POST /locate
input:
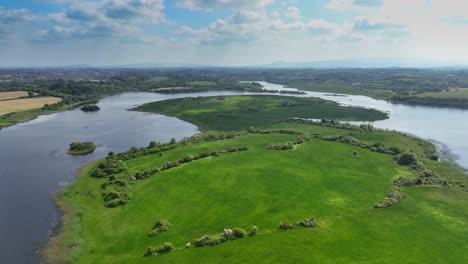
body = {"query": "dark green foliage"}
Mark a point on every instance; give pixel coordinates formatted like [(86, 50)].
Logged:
[(81, 148), (90, 108), (163, 249), (228, 235), (116, 192), (392, 198), (110, 166), (254, 110), (286, 226), (153, 144), (284, 146), (407, 159), (146, 173), (238, 232), (160, 227), (434, 157), (403, 181), (253, 231), (306, 223)]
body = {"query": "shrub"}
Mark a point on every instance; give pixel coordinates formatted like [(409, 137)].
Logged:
[(307, 223), (286, 226), (163, 249), (407, 159), (160, 227), (238, 232), (355, 153), (402, 181), (392, 198), (253, 231), (434, 157)]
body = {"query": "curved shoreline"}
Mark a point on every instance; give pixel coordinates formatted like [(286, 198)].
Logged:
[(51, 253)]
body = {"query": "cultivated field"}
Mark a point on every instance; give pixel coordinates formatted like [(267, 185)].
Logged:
[(12, 95), (17, 105)]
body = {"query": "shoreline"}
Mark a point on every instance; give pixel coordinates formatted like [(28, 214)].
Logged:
[(51, 251)]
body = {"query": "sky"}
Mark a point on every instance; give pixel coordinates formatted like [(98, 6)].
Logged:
[(228, 32)]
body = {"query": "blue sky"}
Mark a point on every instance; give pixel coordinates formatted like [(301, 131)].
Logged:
[(228, 32)]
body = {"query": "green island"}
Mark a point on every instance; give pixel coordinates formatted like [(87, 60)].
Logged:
[(90, 108), (260, 185), (439, 88), (81, 148)]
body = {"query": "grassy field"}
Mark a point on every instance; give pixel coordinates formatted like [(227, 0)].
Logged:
[(242, 112), (12, 95), (336, 182), (19, 105), (202, 83), (448, 94)]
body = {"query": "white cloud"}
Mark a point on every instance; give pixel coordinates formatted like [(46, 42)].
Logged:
[(354, 5), (104, 19), (293, 13), (259, 25), (221, 4)]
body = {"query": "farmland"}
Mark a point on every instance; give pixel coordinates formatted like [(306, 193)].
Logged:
[(18, 105)]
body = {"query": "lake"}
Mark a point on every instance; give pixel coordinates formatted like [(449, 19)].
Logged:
[(34, 163)]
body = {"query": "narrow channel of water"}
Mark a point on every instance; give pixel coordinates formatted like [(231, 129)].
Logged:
[(34, 163)]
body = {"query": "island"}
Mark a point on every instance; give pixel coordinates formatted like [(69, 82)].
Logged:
[(90, 108), (81, 148)]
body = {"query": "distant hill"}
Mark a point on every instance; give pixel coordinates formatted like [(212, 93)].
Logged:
[(364, 63)]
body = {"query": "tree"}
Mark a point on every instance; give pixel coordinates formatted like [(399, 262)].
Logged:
[(153, 144), (173, 141), (407, 159), (30, 94)]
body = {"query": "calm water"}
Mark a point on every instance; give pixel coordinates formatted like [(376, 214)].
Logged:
[(34, 163)]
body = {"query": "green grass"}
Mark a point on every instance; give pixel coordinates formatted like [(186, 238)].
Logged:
[(202, 83), (451, 94), (242, 112), (24, 116), (263, 187)]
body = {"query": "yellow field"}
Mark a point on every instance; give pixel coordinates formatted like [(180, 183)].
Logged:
[(25, 104), (12, 95)]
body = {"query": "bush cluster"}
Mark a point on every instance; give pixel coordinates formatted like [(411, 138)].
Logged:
[(283, 146), (407, 159), (116, 192), (228, 235), (163, 249), (306, 223), (110, 166), (160, 227), (392, 198)]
